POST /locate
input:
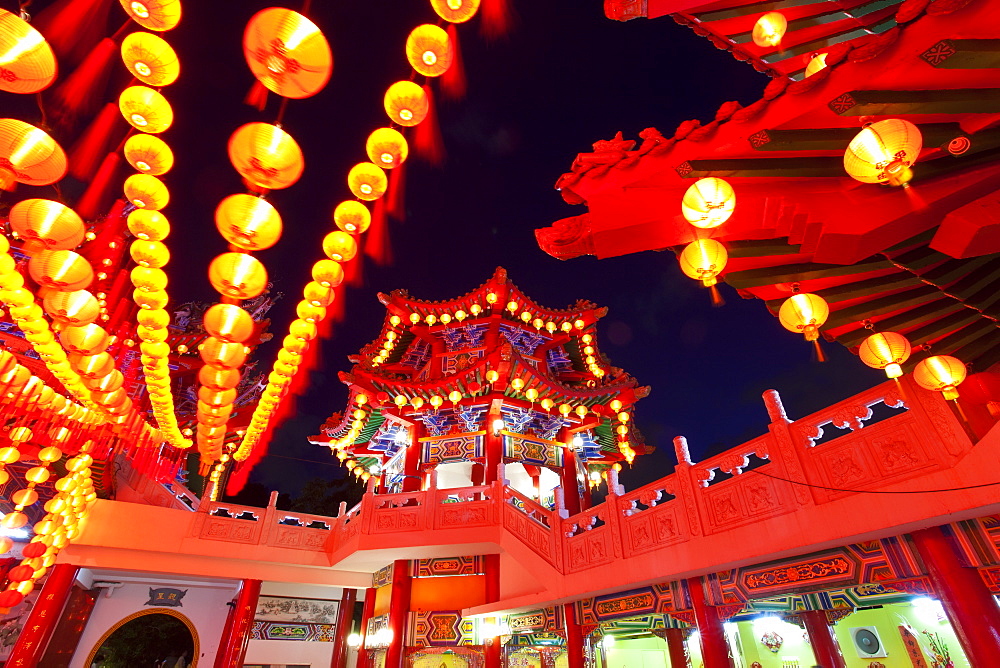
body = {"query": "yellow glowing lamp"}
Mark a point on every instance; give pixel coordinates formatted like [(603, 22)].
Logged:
[(769, 29), (28, 155), (816, 64), (704, 260), (429, 50), (61, 270), (148, 154), (883, 152), (318, 295), (149, 253), (885, 350), (148, 225), (217, 352), (266, 156), (340, 246), (406, 103), (455, 11), (248, 222), (146, 192), (85, 339), (708, 203), (228, 322), (387, 148), (150, 59), (26, 59), (145, 109), (237, 275), (328, 273), (158, 15), (367, 181), (804, 313), (287, 52), (941, 373), (352, 216), (42, 223)]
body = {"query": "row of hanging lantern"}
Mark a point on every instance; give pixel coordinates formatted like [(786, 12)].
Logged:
[(430, 52), (288, 55), (707, 203), (152, 61)]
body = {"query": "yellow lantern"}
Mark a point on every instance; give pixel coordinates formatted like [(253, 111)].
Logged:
[(150, 59), (287, 52), (708, 203), (61, 270), (26, 59), (86, 339), (150, 299), (805, 312), (455, 11), (306, 311), (158, 15), (340, 246), (228, 322), (885, 350), (429, 50), (148, 279), (266, 156), (352, 217), (237, 275), (149, 253), (42, 223), (387, 148), (318, 295), (248, 222), (148, 225), (883, 152), (406, 103), (145, 109), (704, 260), (222, 354), (146, 192), (367, 181), (940, 373), (28, 155), (816, 63), (92, 366), (328, 273), (769, 29), (148, 154), (302, 330), (218, 378)]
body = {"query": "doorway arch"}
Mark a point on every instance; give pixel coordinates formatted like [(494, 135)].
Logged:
[(135, 620)]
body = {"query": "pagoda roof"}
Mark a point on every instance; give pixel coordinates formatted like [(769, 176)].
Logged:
[(920, 260)]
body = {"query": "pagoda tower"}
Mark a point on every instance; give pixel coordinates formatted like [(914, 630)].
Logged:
[(457, 393)]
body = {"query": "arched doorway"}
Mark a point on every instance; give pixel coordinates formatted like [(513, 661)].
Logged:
[(154, 638)]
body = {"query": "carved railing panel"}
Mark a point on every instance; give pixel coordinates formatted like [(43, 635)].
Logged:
[(531, 524), (591, 538)]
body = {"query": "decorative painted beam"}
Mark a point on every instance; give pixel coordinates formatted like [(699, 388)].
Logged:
[(837, 139), (763, 167), (964, 54), (905, 321), (881, 305), (799, 273), (904, 102), (839, 14), (829, 40)]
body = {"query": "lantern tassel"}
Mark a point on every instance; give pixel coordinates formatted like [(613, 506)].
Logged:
[(820, 357), (497, 18), (354, 271), (256, 96), (427, 139), (376, 242), (902, 390), (335, 312), (83, 90), (717, 299), (86, 153), (395, 204), (453, 81), (961, 413), (93, 200), (73, 27)]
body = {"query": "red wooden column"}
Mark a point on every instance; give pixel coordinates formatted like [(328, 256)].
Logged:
[(368, 613), (494, 444), (567, 476), (399, 610), (44, 616), (676, 648), (574, 637), (969, 604), (411, 462), (345, 615), (494, 648), (825, 648), (711, 633), (237, 636)]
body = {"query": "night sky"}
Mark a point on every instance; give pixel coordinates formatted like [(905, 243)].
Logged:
[(565, 77)]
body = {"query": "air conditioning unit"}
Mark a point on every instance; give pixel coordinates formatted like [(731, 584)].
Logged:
[(867, 642)]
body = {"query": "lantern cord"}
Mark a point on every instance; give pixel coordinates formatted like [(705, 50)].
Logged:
[(961, 413), (281, 111), (902, 390), (717, 299), (820, 357), (875, 491)]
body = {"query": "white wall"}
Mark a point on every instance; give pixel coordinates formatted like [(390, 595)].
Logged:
[(204, 605), (281, 652)]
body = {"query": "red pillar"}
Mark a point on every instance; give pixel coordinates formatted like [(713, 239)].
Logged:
[(237, 637), (368, 613), (493, 650), (569, 483), (494, 444), (399, 609), (712, 634), (574, 637), (411, 463), (825, 648), (44, 616), (345, 616), (676, 648), (969, 604)]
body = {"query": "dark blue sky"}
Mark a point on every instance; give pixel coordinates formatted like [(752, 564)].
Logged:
[(564, 78)]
